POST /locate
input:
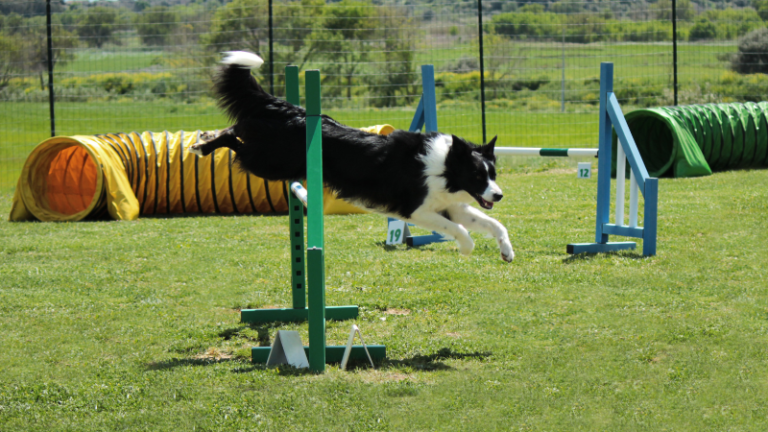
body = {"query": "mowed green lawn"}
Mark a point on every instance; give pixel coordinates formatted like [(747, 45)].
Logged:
[(134, 325)]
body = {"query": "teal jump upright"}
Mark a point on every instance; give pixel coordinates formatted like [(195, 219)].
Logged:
[(312, 308), (612, 118)]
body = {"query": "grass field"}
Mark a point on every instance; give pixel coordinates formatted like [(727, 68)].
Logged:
[(134, 325)]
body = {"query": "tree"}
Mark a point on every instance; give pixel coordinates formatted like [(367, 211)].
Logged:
[(97, 26), (29, 8), (345, 40), (13, 23), (753, 53), (238, 25), (761, 6), (25, 50), (527, 24), (37, 46), (685, 10), (393, 83), (703, 29), (155, 24), (11, 58), (243, 24), (566, 7)]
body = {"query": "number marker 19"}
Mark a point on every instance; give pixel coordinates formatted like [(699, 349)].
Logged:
[(395, 232)]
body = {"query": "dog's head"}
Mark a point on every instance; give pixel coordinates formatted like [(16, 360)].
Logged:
[(472, 169)]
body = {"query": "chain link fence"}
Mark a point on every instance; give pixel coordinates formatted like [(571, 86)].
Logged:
[(526, 71)]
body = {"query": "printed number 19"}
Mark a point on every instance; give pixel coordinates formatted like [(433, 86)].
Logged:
[(394, 236)]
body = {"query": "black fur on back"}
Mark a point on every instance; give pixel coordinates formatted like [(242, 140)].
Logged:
[(384, 172)]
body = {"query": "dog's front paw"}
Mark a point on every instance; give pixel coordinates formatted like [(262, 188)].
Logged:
[(466, 246), (196, 149), (507, 254)]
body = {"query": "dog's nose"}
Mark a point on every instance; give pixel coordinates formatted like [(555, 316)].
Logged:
[(497, 197)]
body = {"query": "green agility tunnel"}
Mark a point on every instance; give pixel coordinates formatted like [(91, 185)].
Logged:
[(695, 140)]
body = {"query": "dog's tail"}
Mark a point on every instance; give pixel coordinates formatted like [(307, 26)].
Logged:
[(235, 85)]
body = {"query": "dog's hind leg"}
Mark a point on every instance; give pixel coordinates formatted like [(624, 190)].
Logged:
[(213, 141), (437, 222), (475, 220)]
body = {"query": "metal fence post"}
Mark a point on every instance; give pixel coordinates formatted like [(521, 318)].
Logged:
[(271, 53), (482, 64), (674, 48), (51, 98)]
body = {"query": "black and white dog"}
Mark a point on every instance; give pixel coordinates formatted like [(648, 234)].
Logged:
[(428, 180)]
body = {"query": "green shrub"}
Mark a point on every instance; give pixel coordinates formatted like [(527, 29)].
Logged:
[(753, 53), (703, 29), (155, 24), (733, 23), (742, 88), (644, 92), (522, 25)]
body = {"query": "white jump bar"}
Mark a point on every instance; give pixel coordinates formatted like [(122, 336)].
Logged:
[(300, 193)]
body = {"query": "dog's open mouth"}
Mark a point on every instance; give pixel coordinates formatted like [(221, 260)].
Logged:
[(483, 203)]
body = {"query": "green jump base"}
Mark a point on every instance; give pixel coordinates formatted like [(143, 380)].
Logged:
[(577, 248), (333, 354), (335, 313)]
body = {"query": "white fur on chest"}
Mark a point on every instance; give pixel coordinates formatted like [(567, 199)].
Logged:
[(438, 198)]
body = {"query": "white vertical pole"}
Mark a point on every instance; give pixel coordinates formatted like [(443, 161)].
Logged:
[(632, 200), (621, 163)]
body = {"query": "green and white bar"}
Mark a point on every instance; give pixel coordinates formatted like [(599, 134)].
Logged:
[(548, 152)]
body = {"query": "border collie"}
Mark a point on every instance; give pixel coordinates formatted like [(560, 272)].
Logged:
[(426, 179)]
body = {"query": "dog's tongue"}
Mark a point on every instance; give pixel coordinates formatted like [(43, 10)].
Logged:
[(488, 205)]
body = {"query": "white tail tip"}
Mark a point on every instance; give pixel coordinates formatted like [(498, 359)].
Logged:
[(243, 59)]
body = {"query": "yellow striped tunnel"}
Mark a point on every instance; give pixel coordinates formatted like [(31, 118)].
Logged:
[(126, 175)]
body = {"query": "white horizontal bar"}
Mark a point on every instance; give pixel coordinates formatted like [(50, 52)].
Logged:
[(582, 152), (299, 191)]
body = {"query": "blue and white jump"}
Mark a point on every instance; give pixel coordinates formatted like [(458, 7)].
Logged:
[(611, 118)]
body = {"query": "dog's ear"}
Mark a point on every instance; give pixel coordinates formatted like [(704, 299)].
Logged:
[(460, 146), (487, 150)]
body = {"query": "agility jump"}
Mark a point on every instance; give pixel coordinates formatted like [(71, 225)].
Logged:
[(611, 118), (316, 313)]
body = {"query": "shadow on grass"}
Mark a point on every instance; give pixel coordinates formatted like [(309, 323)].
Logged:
[(394, 248), (262, 339), (262, 332), (205, 215), (428, 362), (177, 362), (586, 256)]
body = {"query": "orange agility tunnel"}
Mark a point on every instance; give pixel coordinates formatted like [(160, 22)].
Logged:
[(126, 175)]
